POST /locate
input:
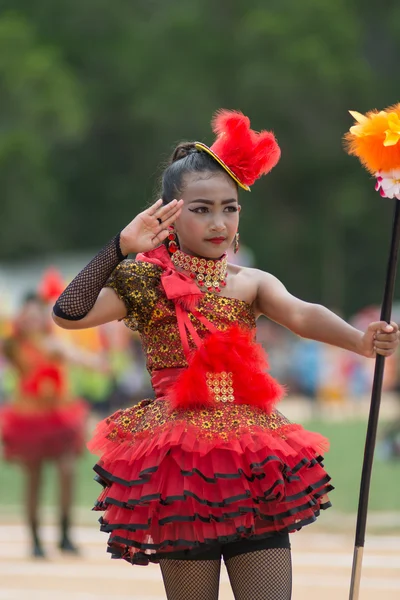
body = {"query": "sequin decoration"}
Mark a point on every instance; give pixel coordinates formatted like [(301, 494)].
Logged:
[(221, 386)]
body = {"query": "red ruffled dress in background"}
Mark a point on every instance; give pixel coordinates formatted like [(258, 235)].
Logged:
[(209, 460), (41, 422)]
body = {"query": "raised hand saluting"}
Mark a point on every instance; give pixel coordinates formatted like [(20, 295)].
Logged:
[(150, 227)]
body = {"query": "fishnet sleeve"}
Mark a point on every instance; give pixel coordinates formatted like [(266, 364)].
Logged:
[(81, 294)]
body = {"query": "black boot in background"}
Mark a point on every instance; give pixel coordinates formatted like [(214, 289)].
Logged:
[(65, 544), (37, 548)]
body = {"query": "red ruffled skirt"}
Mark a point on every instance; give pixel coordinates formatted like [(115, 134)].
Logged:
[(33, 435), (176, 481), (179, 477)]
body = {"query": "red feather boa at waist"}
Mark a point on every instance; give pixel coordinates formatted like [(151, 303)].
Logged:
[(233, 351)]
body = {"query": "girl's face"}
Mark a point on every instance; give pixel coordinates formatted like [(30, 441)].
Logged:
[(210, 215), (32, 318)]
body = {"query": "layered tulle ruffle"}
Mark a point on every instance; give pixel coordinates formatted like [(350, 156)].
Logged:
[(176, 481), (31, 435)]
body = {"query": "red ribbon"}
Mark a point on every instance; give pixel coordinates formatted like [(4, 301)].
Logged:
[(182, 291)]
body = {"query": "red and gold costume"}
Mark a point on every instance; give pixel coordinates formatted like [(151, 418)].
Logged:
[(210, 459), (42, 422)]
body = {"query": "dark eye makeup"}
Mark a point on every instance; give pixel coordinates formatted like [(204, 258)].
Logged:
[(204, 209)]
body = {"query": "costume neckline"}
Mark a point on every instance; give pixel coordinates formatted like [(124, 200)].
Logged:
[(230, 298), (161, 252)]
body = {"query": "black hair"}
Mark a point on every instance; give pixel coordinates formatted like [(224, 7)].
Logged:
[(185, 159)]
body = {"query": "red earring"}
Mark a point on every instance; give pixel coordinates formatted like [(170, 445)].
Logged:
[(172, 244), (236, 243)]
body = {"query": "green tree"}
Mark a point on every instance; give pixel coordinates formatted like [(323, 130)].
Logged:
[(41, 110), (144, 74)]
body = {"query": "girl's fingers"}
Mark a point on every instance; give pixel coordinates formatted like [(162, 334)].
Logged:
[(153, 209), (386, 337), (164, 228), (162, 208), (160, 236), (384, 352), (379, 344), (167, 220), (171, 219), (164, 212), (165, 216)]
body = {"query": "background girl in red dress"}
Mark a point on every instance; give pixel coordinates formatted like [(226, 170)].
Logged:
[(42, 422)]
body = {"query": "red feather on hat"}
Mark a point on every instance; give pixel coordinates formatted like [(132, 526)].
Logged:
[(248, 153)]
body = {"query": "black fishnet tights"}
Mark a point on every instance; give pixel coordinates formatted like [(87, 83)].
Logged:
[(191, 579), (80, 296), (259, 575)]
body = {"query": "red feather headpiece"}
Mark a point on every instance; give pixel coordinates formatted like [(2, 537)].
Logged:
[(51, 285), (245, 154)]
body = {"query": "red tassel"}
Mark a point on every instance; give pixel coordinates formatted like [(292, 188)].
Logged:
[(190, 302)]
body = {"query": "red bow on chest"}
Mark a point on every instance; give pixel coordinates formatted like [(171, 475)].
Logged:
[(182, 291)]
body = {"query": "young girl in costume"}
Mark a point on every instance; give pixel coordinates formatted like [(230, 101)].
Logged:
[(209, 468), (42, 422)]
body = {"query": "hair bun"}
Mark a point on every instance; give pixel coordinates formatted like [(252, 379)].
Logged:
[(182, 150)]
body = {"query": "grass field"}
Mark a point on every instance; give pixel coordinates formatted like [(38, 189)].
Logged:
[(343, 462)]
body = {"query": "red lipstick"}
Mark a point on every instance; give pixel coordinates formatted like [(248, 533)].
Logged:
[(216, 240)]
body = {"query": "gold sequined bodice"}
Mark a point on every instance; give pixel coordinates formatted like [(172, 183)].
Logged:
[(153, 315)]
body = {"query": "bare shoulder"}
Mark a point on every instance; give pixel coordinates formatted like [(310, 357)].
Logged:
[(243, 283), (265, 279), (252, 276), (260, 286)]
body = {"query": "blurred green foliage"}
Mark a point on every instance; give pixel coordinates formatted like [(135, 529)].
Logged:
[(95, 94)]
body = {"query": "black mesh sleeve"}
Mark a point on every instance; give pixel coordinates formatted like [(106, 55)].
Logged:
[(81, 294)]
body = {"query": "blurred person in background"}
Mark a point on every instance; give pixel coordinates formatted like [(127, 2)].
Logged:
[(41, 422), (305, 369), (129, 379), (209, 468)]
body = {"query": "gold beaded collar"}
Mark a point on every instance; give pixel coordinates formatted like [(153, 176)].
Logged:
[(209, 274)]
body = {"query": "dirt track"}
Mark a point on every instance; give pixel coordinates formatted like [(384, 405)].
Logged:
[(322, 566)]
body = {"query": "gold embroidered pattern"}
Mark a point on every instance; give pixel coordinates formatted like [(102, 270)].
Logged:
[(221, 386), (135, 283), (224, 422), (153, 315)]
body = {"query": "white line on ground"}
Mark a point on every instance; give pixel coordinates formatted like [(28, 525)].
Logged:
[(302, 559), (323, 541), (327, 559), (299, 581), (320, 581), (17, 594), (151, 574)]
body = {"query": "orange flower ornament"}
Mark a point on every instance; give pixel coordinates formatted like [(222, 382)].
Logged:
[(375, 140)]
